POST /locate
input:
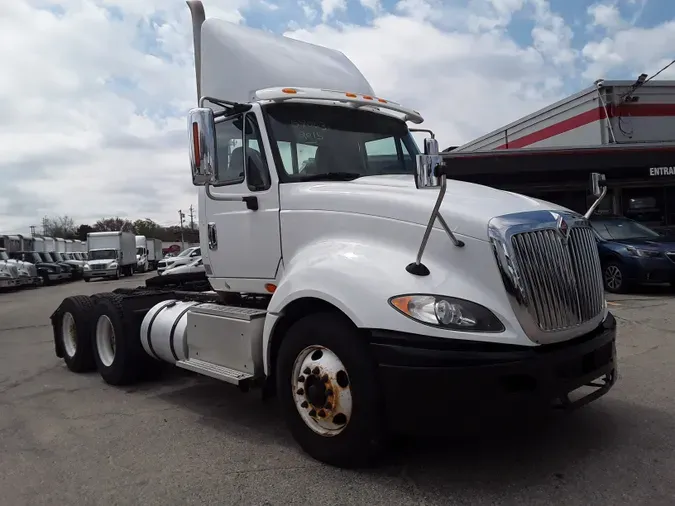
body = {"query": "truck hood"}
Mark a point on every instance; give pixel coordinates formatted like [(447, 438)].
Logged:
[(467, 207)]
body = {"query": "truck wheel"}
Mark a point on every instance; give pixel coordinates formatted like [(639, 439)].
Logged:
[(87, 280), (117, 344), (73, 333), (328, 390)]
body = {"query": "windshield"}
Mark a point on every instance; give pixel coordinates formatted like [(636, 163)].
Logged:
[(57, 256), (35, 257), (616, 230), (103, 254), (46, 257), (185, 252), (314, 140), (140, 251)]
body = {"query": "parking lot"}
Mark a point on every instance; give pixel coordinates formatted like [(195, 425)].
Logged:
[(71, 439)]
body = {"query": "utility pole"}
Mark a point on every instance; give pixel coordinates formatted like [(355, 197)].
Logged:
[(32, 230), (181, 214), (192, 221), (44, 226)]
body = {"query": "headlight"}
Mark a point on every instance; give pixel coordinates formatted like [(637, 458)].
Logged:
[(112, 265), (87, 267), (447, 312), (636, 252)]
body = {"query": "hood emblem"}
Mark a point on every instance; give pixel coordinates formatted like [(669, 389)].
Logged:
[(563, 229)]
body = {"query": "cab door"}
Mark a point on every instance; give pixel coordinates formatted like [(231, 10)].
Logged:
[(243, 237)]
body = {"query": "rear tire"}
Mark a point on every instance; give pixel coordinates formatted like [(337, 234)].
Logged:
[(73, 333), (338, 420), (119, 355)]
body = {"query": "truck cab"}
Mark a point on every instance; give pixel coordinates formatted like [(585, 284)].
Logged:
[(346, 273)]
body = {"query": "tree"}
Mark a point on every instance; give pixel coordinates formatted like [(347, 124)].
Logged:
[(82, 232), (147, 227), (113, 225), (60, 226)]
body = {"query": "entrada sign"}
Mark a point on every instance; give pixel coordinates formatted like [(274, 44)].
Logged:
[(662, 171)]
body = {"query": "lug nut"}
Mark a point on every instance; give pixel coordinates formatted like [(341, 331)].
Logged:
[(312, 413), (322, 414), (300, 391), (316, 371), (304, 404), (301, 379), (307, 370)]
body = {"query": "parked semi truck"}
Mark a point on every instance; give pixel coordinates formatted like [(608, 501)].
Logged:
[(369, 293), (110, 255)]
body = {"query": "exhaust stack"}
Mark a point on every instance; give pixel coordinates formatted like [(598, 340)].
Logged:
[(198, 17)]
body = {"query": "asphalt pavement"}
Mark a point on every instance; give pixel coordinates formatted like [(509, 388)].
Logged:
[(68, 439)]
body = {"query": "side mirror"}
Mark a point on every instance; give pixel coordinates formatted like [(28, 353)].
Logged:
[(203, 154), (430, 146), (598, 182), (424, 173), (599, 190)]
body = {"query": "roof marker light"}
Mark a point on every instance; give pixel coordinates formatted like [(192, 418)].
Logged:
[(291, 91)]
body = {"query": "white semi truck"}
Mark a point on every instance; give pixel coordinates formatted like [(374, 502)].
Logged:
[(110, 254), (344, 272)]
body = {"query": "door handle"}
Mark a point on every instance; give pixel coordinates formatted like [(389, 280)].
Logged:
[(212, 236)]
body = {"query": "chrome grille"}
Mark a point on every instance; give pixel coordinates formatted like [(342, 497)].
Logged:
[(562, 283), (550, 267)]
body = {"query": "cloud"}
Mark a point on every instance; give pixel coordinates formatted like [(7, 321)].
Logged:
[(93, 93)]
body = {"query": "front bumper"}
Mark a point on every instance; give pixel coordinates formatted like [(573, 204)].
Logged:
[(99, 273), (426, 380), (650, 269), (9, 282)]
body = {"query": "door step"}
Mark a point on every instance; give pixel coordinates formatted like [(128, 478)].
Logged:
[(215, 371)]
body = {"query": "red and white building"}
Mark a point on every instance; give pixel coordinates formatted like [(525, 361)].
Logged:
[(609, 112)]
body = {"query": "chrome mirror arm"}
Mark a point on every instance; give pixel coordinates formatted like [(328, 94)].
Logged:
[(417, 267)]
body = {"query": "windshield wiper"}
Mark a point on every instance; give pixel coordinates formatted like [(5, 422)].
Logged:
[(329, 176)]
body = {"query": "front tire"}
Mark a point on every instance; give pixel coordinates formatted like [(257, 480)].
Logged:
[(614, 278), (329, 393)]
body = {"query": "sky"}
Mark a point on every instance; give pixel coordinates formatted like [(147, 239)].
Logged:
[(94, 93)]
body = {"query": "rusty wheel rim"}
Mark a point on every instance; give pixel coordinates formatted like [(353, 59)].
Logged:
[(322, 390)]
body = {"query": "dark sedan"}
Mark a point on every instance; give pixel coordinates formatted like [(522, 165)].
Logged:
[(633, 254)]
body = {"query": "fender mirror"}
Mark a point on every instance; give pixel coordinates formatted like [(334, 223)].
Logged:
[(203, 153)]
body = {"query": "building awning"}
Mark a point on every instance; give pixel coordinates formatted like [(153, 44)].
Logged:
[(532, 166)]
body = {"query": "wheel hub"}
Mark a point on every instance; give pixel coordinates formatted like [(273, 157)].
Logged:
[(322, 391)]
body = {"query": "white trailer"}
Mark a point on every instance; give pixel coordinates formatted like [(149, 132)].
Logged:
[(141, 253), (609, 112), (154, 253), (344, 282), (110, 254), (69, 246), (60, 244)]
